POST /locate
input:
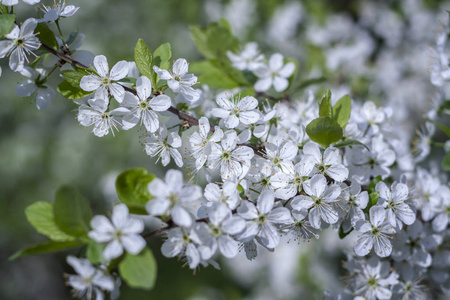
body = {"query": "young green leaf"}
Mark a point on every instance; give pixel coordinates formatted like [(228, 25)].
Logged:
[(325, 108), (71, 92), (349, 143), (143, 59), (324, 130), (72, 212), (41, 215), (131, 187), (342, 110), (161, 56), (46, 36), (213, 76), (373, 183), (94, 252), (46, 247), (6, 24), (343, 234), (139, 271), (444, 128), (74, 77), (446, 162), (201, 42)]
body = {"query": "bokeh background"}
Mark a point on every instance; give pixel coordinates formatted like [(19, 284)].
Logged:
[(373, 50)]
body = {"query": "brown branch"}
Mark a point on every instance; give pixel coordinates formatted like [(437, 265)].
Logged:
[(192, 121)]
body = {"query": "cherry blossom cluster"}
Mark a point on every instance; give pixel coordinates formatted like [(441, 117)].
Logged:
[(267, 180)]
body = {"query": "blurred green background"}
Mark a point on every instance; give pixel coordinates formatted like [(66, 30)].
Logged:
[(41, 150)]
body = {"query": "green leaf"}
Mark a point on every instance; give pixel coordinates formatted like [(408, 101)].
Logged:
[(72, 212), (143, 59), (46, 36), (373, 183), (6, 24), (444, 128), (71, 92), (41, 215), (4, 9), (132, 190), (342, 110), (74, 77), (349, 143), (213, 76), (324, 130), (94, 252), (139, 271), (325, 108), (50, 246), (343, 234), (446, 162), (201, 41), (217, 38), (161, 56)]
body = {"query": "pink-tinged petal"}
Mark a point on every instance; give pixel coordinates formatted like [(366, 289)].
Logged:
[(119, 71), (180, 216), (90, 82), (113, 250), (143, 87), (280, 83), (133, 243), (363, 245), (101, 65), (180, 67)]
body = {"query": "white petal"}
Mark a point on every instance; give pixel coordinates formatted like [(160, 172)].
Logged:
[(113, 250), (180, 216), (143, 87), (133, 243), (101, 65), (228, 247), (119, 71)]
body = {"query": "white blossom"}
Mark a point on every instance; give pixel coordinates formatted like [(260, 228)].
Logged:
[(275, 74)]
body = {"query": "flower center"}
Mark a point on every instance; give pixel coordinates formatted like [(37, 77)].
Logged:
[(372, 282), (375, 231), (226, 156), (262, 219)]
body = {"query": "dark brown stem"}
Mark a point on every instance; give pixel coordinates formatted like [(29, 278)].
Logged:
[(156, 232)]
